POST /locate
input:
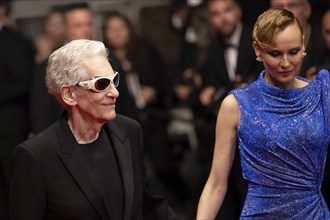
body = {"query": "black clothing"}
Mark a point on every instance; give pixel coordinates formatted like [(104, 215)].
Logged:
[(215, 68), (315, 49), (16, 68), (44, 109), (105, 174), (50, 178)]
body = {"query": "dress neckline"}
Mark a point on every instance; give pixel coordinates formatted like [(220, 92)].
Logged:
[(280, 92)]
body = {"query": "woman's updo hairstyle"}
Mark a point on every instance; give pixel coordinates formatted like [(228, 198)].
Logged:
[(270, 23)]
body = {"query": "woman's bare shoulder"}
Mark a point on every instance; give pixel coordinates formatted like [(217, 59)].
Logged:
[(229, 111), (230, 103)]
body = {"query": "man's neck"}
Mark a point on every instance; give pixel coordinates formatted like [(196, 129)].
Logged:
[(1, 22), (234, 38), (85, 131)]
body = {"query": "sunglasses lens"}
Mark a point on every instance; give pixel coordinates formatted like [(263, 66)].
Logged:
[(116, 80), (102, 84)]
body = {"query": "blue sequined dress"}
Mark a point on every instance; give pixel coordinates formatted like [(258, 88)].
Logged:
[(283, 138)]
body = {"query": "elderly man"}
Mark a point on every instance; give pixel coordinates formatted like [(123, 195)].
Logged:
[(88, 164), (44, 109)]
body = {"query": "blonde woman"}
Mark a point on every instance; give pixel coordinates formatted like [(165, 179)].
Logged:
[(281, 125)]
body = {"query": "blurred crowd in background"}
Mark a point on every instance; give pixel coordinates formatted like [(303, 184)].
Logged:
[(175, 97)]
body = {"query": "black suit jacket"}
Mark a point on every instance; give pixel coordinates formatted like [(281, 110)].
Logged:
[(315, 49), (16, 67), (50, 178), (44, 109), (216, 73)]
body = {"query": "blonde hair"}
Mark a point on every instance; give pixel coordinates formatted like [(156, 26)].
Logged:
[(270, 23)]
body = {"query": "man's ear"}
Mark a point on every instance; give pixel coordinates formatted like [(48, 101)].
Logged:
[(67, 95)]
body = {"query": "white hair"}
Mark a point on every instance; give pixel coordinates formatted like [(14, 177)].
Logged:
[(65, 65)]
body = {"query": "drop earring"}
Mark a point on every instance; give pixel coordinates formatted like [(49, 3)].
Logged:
[(259, 59)]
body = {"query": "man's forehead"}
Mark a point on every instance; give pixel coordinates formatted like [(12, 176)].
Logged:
[(76, 12), (285, 2)]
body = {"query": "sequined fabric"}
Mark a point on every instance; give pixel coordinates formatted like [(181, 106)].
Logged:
[(283, 139)]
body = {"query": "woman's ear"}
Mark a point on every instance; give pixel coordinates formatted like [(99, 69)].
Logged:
[(256, 48), (67, 95)]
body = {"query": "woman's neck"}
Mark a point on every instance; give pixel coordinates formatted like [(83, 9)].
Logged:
[(295, 84)]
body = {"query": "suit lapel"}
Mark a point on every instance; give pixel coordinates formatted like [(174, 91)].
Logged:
[(245, 51), (222, 61), (73, 160), (241, 51), (123, 151)]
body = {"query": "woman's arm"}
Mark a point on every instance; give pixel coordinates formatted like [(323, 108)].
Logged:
[(224, 151)]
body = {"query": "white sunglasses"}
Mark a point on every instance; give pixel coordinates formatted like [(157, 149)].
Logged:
[(101, 83)]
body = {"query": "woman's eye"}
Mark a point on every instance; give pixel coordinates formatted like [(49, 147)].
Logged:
[(294, 52), (274, 53)]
